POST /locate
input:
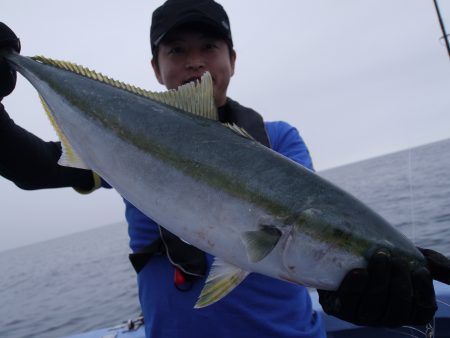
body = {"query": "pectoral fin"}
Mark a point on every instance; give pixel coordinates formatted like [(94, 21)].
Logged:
[(222, 279), (261, 242)]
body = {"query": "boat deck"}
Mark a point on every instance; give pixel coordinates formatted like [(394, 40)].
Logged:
[(335, 328)]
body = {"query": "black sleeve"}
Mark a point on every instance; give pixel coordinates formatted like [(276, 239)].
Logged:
[(31, 163)]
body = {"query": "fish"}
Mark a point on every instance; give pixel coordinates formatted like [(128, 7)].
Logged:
[(211, 184)]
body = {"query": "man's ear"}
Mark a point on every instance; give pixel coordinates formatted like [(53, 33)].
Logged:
[(156, 70), (232, 60)]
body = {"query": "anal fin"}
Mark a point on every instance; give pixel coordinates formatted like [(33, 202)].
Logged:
[(222, 279)]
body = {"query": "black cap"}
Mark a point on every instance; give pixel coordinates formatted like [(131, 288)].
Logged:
[(174, 13)]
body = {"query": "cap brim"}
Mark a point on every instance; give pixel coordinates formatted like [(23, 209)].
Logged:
[(193, 18)]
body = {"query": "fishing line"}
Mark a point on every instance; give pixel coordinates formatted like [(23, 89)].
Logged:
[(410, 334), (440, 301), (428, 333), (411, 198), (430, 327)]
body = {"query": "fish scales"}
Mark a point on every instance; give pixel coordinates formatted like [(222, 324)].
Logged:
[(222, 192)]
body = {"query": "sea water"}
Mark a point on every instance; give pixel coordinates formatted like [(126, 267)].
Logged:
[(84, 281)]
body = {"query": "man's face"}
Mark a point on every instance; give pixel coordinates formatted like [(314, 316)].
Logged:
[(185, 55)]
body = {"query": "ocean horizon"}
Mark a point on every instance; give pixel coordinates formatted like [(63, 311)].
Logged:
[(84, 281)]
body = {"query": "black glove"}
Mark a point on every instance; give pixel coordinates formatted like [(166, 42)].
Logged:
[(8, 40), (387, 294), (438, 264)]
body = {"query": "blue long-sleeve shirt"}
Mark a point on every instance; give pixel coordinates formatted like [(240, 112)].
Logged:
[(259, 307)]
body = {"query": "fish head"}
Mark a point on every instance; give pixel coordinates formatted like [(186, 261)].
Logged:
[(323, 245), (318, 250)]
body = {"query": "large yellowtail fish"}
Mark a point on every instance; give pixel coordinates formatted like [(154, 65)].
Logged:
[(209, 183)]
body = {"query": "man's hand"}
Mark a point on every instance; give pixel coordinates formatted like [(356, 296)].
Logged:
[(387, 294), (438, 264), (8, 40)]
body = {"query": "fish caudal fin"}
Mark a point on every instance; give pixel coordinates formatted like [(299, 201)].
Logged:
[(69, 157), (222, 279), (261, 242), (195, 97)]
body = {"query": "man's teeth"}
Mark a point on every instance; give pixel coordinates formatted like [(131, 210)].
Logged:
[(192, 79)]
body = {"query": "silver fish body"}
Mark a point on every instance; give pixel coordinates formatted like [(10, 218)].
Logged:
[(226, 194)]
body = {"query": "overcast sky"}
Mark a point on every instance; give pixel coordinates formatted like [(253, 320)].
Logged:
[(358, 78)]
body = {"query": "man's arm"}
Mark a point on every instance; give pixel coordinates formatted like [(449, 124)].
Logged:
[(25, 159), (32, 163), (286, 140)]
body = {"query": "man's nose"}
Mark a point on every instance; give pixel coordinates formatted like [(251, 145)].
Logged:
[(195, 61)]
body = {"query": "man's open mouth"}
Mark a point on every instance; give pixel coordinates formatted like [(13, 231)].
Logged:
[(191, 79)]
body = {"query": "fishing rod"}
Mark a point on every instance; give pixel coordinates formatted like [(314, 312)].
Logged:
[(441, 22)]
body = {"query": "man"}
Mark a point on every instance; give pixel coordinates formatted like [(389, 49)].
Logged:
[(188, 38)]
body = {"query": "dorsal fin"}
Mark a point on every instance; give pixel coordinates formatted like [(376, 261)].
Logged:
[(238, 130), (194, 97)]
